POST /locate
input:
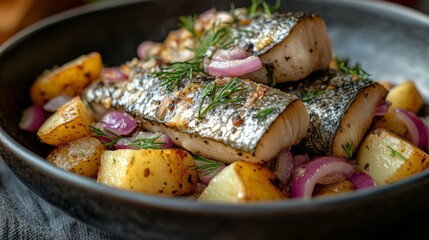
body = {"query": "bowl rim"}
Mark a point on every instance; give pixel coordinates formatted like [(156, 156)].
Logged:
[(182, 204)]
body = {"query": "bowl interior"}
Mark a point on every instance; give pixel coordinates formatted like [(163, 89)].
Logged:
[(389, 41)]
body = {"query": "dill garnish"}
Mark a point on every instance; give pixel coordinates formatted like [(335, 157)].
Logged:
[(310, 95), (263, 113), (268, 10), (206, 165), (218, 96), (395, 153), (348, 148), (112, 139), (356, 70), (217, 37), (147, 143)]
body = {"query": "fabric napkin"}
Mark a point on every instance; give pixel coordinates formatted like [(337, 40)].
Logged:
[(25, 216)]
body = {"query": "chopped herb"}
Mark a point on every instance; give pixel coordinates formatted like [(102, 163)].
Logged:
[(348, 148), (270, 75), (356, 70), (216, 37), (395, 153), (263, 113), (253, 10), (208, 166), (310, 95), (112, 139), (147, 143), (218, 96)]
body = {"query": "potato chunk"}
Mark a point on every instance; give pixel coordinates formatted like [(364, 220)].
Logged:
[(405, 96), (166, 172), (81, 156), (388, 158), (69, 79), (242, 182), (70, 122)]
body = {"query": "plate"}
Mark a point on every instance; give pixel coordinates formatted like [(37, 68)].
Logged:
[(390, 42)]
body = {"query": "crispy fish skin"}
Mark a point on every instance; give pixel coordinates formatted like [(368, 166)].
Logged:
[(341, 109), (229, 132)]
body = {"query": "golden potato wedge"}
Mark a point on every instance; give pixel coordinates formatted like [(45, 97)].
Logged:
[(166, 172), (81, 156), (69, 79), (242, 182), (388, 158), (70, 122), (405, 96), (392, 123)]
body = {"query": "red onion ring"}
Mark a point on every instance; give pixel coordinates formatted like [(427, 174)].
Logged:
[(234, 68), (362, 180), (319, 169), (113, 75), (32, 118), (56, 102), (223, 55), (284, 166), (417, 131), (119, 123), (144, 49), (382, 108)]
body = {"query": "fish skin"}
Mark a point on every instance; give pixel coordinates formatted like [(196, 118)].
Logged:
[(233, 125), (340, 102)]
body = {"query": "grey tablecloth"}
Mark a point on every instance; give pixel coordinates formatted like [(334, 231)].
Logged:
[(23, 215)]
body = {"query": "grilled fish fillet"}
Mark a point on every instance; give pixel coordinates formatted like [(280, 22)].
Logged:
[(229, 132), (290, 45), (341, 109)]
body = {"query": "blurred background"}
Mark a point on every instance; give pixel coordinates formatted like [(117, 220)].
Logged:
[(18, 14)]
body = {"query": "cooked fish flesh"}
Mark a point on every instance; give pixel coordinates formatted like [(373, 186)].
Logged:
[(254, 125), (290, 45), (341, 109)]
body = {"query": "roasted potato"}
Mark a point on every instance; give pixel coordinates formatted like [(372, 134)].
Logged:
[(166, 172), (242, 182), (81, 156), (334, 188), (387, 157), (392, 123), (69, 79), (405, 96), (70, 122)]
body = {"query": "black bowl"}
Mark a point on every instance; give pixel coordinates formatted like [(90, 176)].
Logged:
[(390, 42)]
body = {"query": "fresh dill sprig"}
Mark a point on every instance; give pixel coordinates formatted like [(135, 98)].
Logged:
[(147, 143), (348, 148), (216, 37), (356, 70), (218, 96), (253, 10), (207, 166), (263, 113), (188, 23), (310, 95), (111, 139), (395, 153)]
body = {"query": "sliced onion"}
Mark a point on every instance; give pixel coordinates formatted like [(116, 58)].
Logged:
[(319, 169), (204, 176), (284, 166), (234, 68), (56, 102), (113, 75), (417, 131), (300, 159), (362, 180), (223, 55), (144, 49), (382, 109), (119, 123), (32, 118)]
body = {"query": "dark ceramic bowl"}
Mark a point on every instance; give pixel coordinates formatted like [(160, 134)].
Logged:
[(390, 42)]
